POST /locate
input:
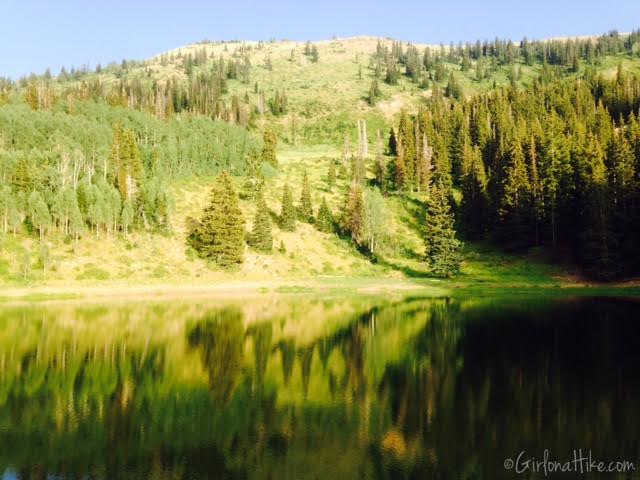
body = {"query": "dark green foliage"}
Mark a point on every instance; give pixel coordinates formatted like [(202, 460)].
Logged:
[(441, 245), (474, 206), (305, 209), (524, 162), (288, 211), (260, 237), (219, 234), (325, 221)]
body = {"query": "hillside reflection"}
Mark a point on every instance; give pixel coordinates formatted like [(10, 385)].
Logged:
[(310, 389)]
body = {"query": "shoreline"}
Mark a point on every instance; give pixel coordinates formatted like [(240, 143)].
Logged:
[(226, 289), (329, 286)]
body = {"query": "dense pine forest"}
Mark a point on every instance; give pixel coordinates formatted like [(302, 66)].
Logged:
[(556, 164), (421, 152)]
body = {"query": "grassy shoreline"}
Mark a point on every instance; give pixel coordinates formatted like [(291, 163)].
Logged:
[(325, 286)]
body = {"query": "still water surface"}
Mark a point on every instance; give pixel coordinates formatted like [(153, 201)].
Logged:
[(306, 389)]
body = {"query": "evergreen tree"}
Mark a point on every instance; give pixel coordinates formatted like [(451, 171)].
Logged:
[(515, 202), (453, 89), (305, 209), (219, 235), (325, 221), (441, 245), (288, 211), (260, 237), (600, 248), (474, 194)]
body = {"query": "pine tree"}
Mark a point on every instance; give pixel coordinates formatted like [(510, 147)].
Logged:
[(400, 177), (441, 245), (288, 211), (453, 89), (325, 221), (600, 249), (219, 235), (515, 202), (474, 195), (270, 145), (260, 237), (407, 151), (305, 209), (380, 172), (424, 168), (352, 221)]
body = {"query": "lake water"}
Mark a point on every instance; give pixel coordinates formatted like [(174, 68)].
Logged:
[(283, 388)]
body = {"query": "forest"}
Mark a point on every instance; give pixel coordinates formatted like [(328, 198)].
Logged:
[(542, 152)]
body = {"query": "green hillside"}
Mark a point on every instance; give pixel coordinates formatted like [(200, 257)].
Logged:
[(187, 114)]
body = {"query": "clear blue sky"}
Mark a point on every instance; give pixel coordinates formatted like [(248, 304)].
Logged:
[(36, 34)]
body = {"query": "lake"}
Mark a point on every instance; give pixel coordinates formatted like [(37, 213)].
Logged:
[(292, 387)]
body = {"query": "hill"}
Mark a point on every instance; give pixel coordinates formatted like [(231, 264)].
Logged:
[(201, 108)]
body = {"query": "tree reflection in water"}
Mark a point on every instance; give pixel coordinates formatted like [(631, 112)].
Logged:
[(415, 389)]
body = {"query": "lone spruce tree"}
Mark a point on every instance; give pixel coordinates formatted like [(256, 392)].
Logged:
[(442, 247), (219, 235), (260, 237), (288, 212), (305, 210), (325, 221)]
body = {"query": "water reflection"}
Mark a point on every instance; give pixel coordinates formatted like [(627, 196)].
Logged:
[(310, 389)]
